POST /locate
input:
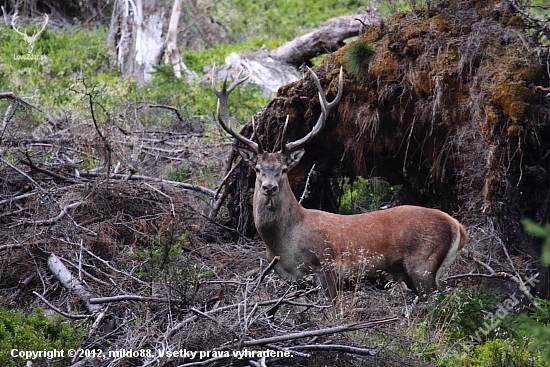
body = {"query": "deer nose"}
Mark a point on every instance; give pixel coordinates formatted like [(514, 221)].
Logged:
[(269, 189)]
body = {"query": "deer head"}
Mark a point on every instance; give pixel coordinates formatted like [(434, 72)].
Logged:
[(272, 167)]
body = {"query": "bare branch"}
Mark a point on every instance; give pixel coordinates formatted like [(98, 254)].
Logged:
[(337, 348), (267, 270), (9, 247), (65, 277), (125, 297), (183, 185), (327, 331), (67, 315)]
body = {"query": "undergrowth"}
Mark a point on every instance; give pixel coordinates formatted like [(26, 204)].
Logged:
[(33, 331), (361, 195), (476, 327)]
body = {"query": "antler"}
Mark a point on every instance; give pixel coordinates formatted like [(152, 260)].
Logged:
[(320, 124), (223, 117)]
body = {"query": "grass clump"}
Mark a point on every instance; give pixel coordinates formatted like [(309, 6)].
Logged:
[(357, 57)]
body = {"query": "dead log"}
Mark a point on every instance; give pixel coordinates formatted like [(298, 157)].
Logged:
[(271, 69)]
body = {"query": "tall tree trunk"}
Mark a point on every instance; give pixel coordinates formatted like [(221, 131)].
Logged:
[(172, 55)]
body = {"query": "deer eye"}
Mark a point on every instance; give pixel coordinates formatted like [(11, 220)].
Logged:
[(257, 169), (284, 169)]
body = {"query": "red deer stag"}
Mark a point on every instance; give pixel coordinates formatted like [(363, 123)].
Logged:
[(405, 243)]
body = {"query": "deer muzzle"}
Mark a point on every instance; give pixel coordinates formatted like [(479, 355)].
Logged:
[(270, 189)]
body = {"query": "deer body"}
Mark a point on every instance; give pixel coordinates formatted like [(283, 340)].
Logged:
[(405, 243)]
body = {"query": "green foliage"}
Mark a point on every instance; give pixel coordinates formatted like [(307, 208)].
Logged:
[(361, 195), (62, 58), (34, 331), (271, 23), (468, 329), (498, 353), (537, 322), (357, 57), (541, 232), (460, 314)]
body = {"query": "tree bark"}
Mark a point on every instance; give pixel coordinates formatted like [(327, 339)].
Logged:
[(172, 55), (136, 39)]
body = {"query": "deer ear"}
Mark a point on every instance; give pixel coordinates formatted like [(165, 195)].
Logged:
[(294, 157), (249, 156)]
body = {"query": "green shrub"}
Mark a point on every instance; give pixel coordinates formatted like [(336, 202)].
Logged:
[(35, 332), (361, 194), (537, 322)]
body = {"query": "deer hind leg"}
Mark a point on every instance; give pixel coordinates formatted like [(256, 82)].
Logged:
[(421, 282)]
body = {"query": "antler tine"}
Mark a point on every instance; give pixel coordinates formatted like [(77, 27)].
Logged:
[(283, 138), (256, 137), (222, 111), (326, 107)]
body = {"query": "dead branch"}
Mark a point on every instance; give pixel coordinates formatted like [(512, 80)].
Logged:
[(19, 197), (171, 108), (328, 37), (336, 348), (8, 247), (106, 263), (267, 270), (67, 315), (48, 172), (183, 185), (311, 333), (64, 211), (125, 297), (58, 269), (171, 332), (500, 275), (12, 96)]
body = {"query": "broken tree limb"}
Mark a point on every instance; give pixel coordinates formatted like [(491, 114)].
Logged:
[(60, 271), (271, 69), (183, 185), (311, 333), (125, 297), (56, 309), (337, 348), (526, 290), (64, 211), (267, 270), (328, 37)]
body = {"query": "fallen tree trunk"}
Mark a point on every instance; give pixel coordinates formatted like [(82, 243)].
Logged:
[(271, 69), (328, 37)]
